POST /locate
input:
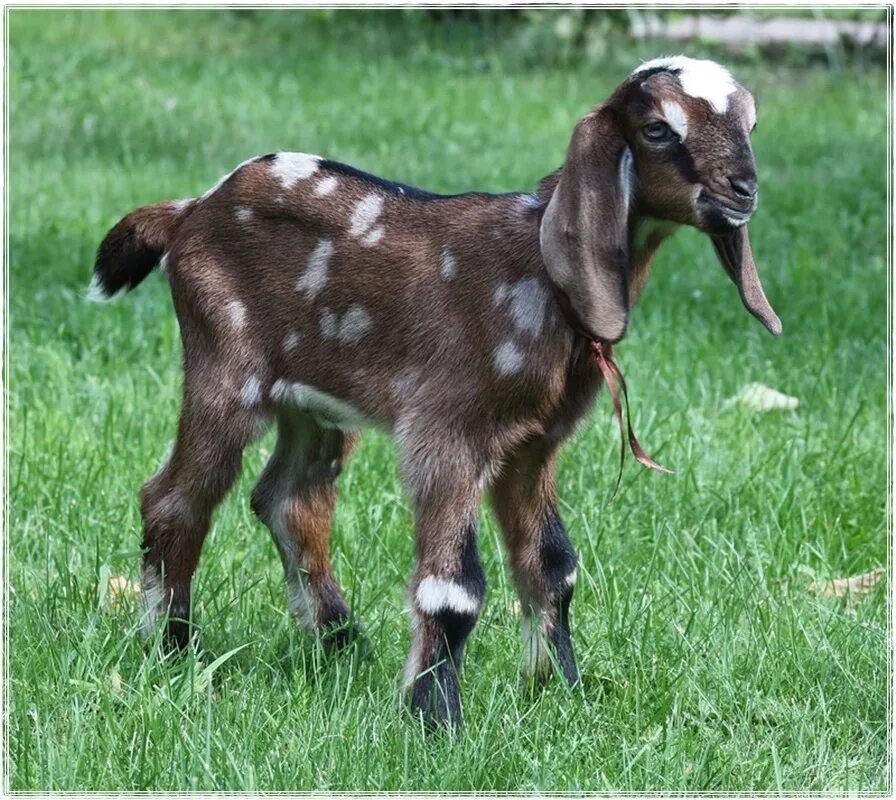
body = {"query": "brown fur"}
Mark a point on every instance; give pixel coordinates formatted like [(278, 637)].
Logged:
[(435, 318)]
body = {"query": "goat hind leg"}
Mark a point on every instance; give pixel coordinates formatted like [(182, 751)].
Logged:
[(177, 505), (295, 497)]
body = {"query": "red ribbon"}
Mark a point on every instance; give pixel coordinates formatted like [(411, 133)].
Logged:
[(611, 372)]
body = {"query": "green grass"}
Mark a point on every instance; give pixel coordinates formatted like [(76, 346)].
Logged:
[(707, 664)]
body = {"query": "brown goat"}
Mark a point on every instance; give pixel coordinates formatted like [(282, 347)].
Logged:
[(327, 299)]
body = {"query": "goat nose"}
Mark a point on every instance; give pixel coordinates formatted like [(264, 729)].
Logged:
[(743, 187)]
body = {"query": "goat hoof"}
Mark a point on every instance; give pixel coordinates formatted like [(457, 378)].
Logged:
[(180, 636), (344, 635), (436, 698)]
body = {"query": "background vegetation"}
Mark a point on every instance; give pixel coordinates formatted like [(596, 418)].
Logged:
[(707, 663)]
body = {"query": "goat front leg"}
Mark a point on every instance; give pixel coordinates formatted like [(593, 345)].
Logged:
[(542, 558), (446, 593)]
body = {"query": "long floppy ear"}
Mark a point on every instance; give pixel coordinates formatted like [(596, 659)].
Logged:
[(736, 255), (584, 230)]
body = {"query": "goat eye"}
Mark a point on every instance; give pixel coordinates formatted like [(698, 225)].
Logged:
[(657, 131)]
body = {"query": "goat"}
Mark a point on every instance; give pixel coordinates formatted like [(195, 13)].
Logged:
[(326, 299)]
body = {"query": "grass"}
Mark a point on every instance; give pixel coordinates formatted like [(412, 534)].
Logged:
[(707, 664)]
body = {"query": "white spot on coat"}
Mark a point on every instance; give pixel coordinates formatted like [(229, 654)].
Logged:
[(356, 322), (699, 78), (236, 313), (528, 303), (328, 411), (243, 213), (329, 323), (290, 168), (315, 276), (436, 594), (326, 186), (508, 359), (448, 264), (365, 214), (250, 395), (373, 236), (570, 579), (290, 341)]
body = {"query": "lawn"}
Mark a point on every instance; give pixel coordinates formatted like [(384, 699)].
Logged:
[(707, 663)]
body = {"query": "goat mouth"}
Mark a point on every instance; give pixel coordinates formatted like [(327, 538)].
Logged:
[(720, 216)]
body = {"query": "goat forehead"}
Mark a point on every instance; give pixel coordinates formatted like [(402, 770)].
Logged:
[(699, 78)]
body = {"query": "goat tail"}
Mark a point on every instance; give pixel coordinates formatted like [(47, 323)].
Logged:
[(134, 247)]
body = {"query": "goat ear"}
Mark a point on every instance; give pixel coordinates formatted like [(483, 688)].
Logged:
[(736, 255), (584, 230)]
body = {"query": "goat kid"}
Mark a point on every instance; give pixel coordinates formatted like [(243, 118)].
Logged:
[(325, 299)]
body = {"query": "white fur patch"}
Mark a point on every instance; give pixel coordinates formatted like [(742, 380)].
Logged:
[(373, 236), (355, 324), (405, 384), (315, 276), (436, 594), (627, 179), (250, 394), (507, 359), (236, 312), (152, 598), (326, 186), (527, 304), (571, 578), (447, 264), (699, 78), (290, 341), (181, 205), (676, 118), (163, 263), (530, 201), (536, 656), (97, 294), (243, 213), (365, 214), (329, 324), (328, 411), (412, 665), (224, 180), (751, 112), (290, 168)]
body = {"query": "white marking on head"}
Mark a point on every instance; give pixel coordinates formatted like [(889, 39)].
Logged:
[(436, 594), (290, 168), (250, 395), (315, 276), (326, 186), (243, 213), (328, 324), (507, 359), (290, 341), (236, 313), (676, 118), (373, 236), (448, 264), (751, 112), (356, 322), (224, 180), (365, 214), (699, 78), (328, 411)]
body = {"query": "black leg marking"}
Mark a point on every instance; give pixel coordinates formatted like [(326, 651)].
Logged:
[(558, 560)]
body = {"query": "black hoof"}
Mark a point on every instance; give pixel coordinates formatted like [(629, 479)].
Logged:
[(342, 635), (436, 697)]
